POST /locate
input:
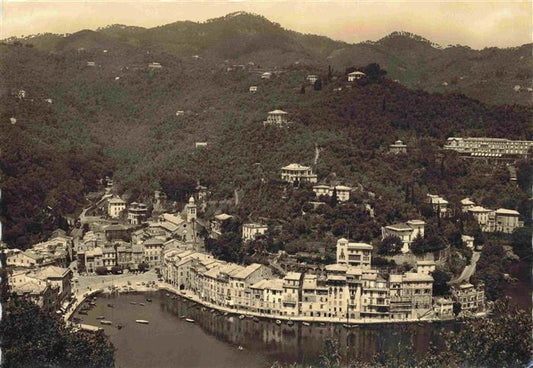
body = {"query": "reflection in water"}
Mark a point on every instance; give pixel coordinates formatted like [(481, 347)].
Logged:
[(212, 341), (303, 343)]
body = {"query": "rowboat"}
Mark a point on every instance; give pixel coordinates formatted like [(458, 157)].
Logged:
[(190, 320), (306, 324), (278, 322), (133, 303), (241, 316), (100, 317), (106, 322), (143, 321)]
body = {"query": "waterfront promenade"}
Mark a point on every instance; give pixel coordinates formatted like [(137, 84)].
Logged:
[(187, 294)]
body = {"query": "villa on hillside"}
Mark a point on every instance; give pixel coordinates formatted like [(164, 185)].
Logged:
[(398, 147), (253, 89), (354, 254), (296, 172), (355, 76), (407, 232), (311, 78), (343, 192), (251, 230), (276, 118), (439, 204)]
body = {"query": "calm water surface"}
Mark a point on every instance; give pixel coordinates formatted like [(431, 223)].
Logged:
[(213, 340)]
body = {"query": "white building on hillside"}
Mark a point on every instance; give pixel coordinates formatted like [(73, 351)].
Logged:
[(297, 172), (355, 76), (354, 254), (115, 206), (407, 232), (276, 118), (251, 230), (343, 192)]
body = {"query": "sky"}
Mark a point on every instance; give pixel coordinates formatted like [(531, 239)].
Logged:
[(477, 24)]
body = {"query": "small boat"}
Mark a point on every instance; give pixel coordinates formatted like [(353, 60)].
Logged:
[(190, 320), (183, 317), (83, 312), (241, 316), (133, 303), (204, 309), (141, 304), (256, 319), (240, 348), (149, 300), (306, 324), (226, 314), (167, 295), (212, 311), (111, 305), (347, 325), (119, 326), (143, 321), (278, 322), (106, 322), (100, 317), (290, 322), (92, 304)]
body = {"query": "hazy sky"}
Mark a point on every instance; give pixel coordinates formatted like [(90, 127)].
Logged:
[(477, 24)]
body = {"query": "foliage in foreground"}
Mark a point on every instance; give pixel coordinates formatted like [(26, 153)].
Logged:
[(32, 338)]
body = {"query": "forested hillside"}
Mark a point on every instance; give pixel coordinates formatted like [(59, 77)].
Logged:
[(77, 123), (489, 75)]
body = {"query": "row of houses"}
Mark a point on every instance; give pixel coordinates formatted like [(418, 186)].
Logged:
[(488, 147), (348, 290)]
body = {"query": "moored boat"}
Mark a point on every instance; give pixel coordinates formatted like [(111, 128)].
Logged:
[(119, 326), (133, 303), (100, 317), (183, 317), (241, 316), (226, 314), (306, 324), (190, 320), (106, 322), (240, 347), (278, 322), (142, 321), (167, 295), (256, 319), (149, 300), (110, 305), (82, 312), (290, 322), (141, 304)]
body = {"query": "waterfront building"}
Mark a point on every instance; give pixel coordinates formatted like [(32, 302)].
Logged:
[(471, 298), (488, 147), (439, 204), (109, 257), (398, 147), (152, 251), (354, 254), (407, 232), (251, 230), (276, 118), (39, 292), (290, 296), (115, 206), (296, 172), (375, 301), (57, 277)]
